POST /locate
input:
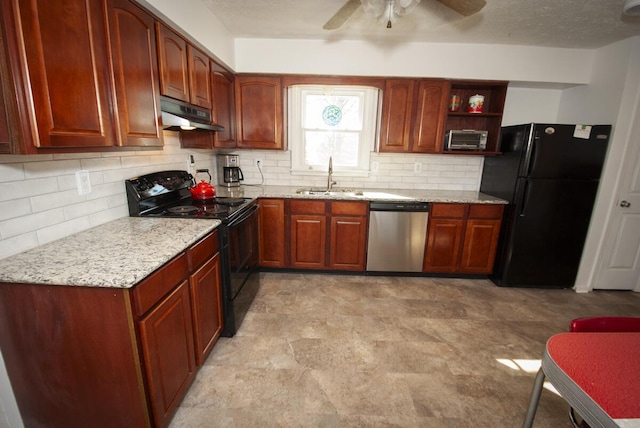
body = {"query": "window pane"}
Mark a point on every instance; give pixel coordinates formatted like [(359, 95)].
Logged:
[(332, 112), (343, 146)]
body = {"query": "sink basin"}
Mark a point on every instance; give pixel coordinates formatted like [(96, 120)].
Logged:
[(332, 192)]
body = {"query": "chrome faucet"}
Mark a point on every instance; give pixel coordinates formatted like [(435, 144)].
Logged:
[(330, 181)]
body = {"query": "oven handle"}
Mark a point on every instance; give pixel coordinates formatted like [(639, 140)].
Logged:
[(244, 216)]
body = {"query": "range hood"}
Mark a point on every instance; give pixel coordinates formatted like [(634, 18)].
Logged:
[(180, 116)]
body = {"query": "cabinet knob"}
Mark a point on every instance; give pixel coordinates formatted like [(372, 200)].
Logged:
[(625, 204)]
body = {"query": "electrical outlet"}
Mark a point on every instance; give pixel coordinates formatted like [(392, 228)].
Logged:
[(258, 163), (375, 166), (83, 182), (417, 167)]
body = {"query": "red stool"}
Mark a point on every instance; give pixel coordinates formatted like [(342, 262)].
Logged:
[(601, 324)]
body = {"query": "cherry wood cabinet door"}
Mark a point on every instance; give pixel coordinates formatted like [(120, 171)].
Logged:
[(348, 243), (308, 241), (173, 60), (135, 71), (480, 244), (206, 300), (259, 112), (199, 77), (272, 233), (431, 108), (59, 58), (168, 348), (397, 115), (444, 240), (223, 106)]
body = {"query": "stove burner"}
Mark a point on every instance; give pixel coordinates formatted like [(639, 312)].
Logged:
[(183, 210), (214, 209), (230, 201)]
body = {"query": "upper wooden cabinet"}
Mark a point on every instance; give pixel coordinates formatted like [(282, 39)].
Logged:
[(184, 70), (259, 117), (82, 79), (223, 105), (494, 93), (173, 59), (135, 72), (60, 66), (413, 113)]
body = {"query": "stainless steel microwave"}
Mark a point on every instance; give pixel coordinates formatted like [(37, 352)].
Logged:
[(465, 139)]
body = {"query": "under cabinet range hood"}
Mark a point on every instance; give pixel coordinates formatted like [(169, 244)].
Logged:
[(180, 116)]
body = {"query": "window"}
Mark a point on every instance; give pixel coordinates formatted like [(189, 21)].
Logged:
[(336, 121)]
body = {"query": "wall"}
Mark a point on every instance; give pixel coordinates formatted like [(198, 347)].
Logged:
[(39, 201), (396, 171)]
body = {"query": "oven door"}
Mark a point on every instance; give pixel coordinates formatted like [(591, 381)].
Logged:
[(240, 258)]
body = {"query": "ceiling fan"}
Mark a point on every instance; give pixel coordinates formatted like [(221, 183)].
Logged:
[(389, 8)]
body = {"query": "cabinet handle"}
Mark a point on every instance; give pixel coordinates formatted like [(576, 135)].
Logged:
[(625, 204)]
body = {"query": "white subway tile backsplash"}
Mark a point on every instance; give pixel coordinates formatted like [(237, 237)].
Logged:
[(14, 208), (18, 244), (30, 223), (52, 168), (60, 230), (101, 164), (55, 200), (11, 172), (20, 189)]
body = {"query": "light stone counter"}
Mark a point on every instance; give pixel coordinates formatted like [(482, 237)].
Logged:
[(117, 254), (456, 196)]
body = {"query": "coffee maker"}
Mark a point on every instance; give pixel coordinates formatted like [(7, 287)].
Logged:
[(229, 172)]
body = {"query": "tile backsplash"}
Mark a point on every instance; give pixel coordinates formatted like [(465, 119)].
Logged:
[(39, 200)]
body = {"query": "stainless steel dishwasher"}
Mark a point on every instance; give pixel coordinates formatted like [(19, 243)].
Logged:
[(397, 236)]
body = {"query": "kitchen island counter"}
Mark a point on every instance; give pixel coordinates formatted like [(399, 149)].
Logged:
[(117, 254), (441, 196)]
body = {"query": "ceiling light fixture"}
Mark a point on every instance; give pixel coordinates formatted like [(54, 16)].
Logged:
[(631, 7), (389, 9)]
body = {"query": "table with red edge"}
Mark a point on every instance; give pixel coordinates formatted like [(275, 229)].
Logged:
[(598, 374)]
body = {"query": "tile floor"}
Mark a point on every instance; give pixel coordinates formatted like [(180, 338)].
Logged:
[(353, 351)]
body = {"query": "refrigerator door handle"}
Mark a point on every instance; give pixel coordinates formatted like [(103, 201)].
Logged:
[(524, 199)]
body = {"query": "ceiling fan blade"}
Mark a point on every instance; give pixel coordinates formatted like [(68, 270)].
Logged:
[(341, 16), (464, 7)]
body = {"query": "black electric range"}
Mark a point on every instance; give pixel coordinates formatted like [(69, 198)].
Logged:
[(166, 194)]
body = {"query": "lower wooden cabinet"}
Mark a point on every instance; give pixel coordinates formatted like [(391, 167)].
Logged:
[(105, 357), (462, 238), (166, 335), (313, 234), (272, 233)]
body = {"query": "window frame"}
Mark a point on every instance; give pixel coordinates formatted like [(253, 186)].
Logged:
[(369, 135)]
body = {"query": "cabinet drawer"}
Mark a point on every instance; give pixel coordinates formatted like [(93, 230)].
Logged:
[(151, 290), (299, 206), (488, 211), (448, 210), (202, 250), (349, 208)]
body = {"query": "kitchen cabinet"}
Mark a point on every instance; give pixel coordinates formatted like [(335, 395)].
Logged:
[(322, 234), (272, 233), (489, 120), (135, 70), (122, 356), (259, 112), (184, 69), (308, 220), (348, 235), (223, 111), (462, 238), (83, 79), (413, 113)]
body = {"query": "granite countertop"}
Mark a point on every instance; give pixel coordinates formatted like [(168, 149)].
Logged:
[(456, 196), (117, 254)]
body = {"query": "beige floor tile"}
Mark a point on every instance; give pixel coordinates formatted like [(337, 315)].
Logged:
[(359, 351)]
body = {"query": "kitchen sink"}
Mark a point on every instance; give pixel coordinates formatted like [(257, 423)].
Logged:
[(332, 192)]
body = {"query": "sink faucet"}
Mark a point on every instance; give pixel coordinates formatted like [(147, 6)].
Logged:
[(330, 181)]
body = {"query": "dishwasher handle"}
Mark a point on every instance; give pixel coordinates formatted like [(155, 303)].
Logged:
[(411, 206)]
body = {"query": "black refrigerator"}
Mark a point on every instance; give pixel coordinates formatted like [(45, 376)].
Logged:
[(549, 173)]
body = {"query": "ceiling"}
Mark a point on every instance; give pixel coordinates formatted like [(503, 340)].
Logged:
[(585, 24)]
